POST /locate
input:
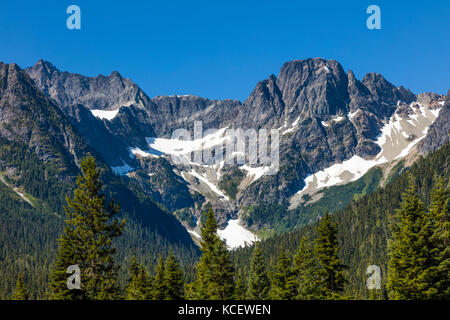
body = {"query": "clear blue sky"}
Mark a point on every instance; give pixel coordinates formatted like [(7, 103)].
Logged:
[(221, 49)]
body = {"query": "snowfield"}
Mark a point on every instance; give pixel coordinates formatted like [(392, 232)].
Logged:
[(236, 235), (398, 137), (105, 114)]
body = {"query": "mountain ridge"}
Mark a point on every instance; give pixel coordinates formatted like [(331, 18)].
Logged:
[(325, 116)]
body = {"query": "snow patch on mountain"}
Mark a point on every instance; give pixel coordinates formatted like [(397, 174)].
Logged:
[(105, 114), (398, 137), (236, 235), (183, 149), (122, 170), (208, 183), (254, 173)]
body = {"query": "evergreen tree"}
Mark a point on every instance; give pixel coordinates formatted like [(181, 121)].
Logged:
[(139, 283), (173, 279), (240, 289), (20, 293), (440, 219), (284, 283), (215, 273), (330, 271), (259, 281), (410, 250), (159, 284), (87, 241), (305, 268)]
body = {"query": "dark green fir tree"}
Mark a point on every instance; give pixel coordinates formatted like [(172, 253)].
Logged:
[(259, 281), (331, 271), (284, 283), (410, 250), (173, 278), (160, 284), (306, 271), (140, 283), (215, 273), (87, 241)]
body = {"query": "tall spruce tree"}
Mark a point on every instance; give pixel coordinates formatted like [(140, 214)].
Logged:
[(284, 283), (410, 250), (331, 275), (20, 293), (439, 218), (87, 241), (215, 273), (173, 278), (259, 281), (305, 268), (159, 283), (139, 284)]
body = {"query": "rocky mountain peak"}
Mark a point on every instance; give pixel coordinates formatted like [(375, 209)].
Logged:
[(100, 93)]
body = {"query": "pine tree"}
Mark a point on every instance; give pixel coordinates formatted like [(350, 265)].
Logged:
[(284, 284), (215, 273), (305, 268), (409, 267), (440, 219), (259, 281), (240, 289), (87, 241), (139, 284), (173, 278), (159, 284), (20, 293), (330, 268)]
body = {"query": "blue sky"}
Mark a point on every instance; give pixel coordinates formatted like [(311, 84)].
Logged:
[(221, 49)]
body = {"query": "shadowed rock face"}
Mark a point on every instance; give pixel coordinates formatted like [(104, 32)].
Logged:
[(439, 132), (324, 115)]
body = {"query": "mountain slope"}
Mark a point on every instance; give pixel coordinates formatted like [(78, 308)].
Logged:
[(40, 151)]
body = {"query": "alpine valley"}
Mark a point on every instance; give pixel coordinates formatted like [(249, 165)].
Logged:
[(340, 139)]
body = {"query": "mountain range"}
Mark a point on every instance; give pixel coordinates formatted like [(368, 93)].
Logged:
[(338, 137)]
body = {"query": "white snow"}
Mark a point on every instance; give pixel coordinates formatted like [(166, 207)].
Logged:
[(122, 170), (105, 114), (338, 118), (184, 148), (209, 184), (295, 123), (351, 115), (194, 233), (325, 124), (394, 142), (255, 173), (138, 151), (356, 166), (236, 235)]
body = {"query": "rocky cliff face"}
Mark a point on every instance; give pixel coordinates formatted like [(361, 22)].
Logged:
[(439, 132), (28, 116)]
